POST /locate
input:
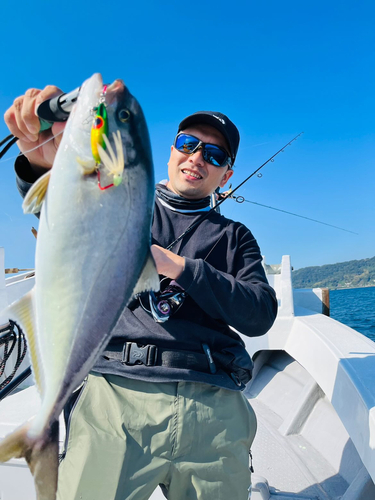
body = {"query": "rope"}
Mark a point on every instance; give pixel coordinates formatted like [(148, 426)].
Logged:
[(10, 337)]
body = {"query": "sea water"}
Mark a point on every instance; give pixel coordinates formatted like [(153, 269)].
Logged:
[(355, 307)]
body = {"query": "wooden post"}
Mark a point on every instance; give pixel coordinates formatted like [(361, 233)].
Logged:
[(325, 301)]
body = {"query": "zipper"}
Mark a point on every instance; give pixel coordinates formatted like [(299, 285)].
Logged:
[(67, 429), (251, 462)]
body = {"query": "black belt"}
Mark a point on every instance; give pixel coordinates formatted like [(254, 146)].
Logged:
[(131, 353)]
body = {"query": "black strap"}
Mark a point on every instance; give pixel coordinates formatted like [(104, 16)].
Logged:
[(131, 353)]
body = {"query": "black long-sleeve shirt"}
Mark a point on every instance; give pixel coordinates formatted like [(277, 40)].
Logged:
[(225, 284)]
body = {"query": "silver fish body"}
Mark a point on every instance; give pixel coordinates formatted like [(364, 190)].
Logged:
[(93, 250)]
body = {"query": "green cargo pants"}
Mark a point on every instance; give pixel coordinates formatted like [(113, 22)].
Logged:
[(128, 436)]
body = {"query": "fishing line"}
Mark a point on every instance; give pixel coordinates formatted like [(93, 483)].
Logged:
[(253, 146), (207, 214), (164, 303), (15, 139), (241, 199)]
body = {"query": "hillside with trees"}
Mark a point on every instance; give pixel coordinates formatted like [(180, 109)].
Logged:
[(351, 274)]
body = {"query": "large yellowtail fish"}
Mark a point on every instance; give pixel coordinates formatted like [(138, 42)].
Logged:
[(92, 256)]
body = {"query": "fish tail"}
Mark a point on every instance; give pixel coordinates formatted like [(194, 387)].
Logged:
[(41, 454)]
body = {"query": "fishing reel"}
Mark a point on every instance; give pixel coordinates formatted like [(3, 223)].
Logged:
[(163, 304)]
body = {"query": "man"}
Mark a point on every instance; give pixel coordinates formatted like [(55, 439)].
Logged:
[(163, 404)]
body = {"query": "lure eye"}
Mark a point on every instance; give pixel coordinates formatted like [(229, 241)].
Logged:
[(98, 122), (124, 115)]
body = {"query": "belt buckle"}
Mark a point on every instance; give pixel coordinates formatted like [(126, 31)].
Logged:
[(133, 354)]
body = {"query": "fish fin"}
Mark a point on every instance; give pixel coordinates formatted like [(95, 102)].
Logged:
[(33, 201), (13, 445), (43, 461), (41, 454), (149, 278), (23, 311), (88, 166)]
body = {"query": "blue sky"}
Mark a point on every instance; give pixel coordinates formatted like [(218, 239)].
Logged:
[(275, 68)]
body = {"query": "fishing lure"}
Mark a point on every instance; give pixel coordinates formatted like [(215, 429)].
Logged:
[(102, 152), (113, 162), (99, 130)]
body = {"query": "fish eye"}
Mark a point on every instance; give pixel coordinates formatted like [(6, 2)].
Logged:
[(124, 115)]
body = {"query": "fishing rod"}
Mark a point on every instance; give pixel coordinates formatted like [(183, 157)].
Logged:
[(161, 305), (241, 199), (50, 111), (58, 108), (207, 214)]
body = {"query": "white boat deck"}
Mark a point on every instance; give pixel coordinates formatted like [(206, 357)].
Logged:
[(314, 395)]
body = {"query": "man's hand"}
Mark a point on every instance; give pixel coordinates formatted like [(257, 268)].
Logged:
[(167, 263), (23, 122)]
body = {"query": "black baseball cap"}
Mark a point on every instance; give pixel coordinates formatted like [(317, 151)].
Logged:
[(219, 121)]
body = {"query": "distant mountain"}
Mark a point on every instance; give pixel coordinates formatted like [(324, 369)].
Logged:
[(351, 274)]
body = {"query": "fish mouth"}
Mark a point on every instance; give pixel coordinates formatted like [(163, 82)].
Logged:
[(113, 90), (97, 82), (91, 90)]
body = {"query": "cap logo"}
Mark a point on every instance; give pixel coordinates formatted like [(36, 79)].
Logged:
[(220, 119)]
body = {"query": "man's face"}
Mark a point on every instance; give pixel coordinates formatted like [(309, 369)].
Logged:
[(191, 176)]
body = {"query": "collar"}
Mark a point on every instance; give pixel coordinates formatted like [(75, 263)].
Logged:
[(177, 203)]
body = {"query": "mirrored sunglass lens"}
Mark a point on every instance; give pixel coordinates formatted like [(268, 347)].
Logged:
[(214, 155), (186, 143)]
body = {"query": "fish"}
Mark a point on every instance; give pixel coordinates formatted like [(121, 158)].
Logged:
[(92, 257)]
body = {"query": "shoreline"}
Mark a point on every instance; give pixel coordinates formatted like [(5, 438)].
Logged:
[(335, 289), (351, 287)]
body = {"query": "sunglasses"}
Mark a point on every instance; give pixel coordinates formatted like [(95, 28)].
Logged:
[(215, 155)]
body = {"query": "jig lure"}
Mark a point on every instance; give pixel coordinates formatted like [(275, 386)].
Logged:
[(99, 129)]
